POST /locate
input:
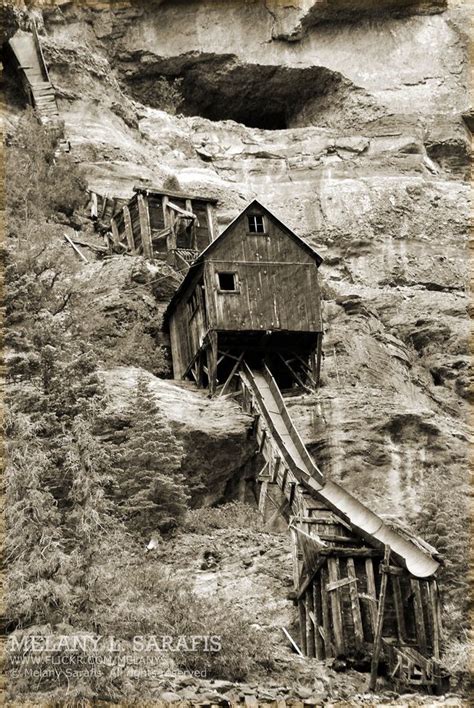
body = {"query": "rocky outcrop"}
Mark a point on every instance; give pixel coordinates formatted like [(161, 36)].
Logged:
[(215, 434)]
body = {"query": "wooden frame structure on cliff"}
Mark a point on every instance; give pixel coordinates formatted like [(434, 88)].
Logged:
[(366, 590), (250, 294)]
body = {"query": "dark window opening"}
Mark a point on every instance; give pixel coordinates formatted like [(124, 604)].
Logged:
[(228, 282), (256, 224)]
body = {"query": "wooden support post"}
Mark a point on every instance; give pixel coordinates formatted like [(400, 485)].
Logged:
[(232, 374), (336, 608), (310, 623), (371, 591), (378, 630), (318, 618), (435, 610), (297, 378), (145, 227), (325, 615), (262, 497), (212, 362), (294, 556), (210, 223), (355, 604), (128, 229), (115, 232), (418, 611), (397, 601), (303, 638)]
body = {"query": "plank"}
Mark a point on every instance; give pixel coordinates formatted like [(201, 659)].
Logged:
[(311, 577), (347, 552), (232, 374), (392, 570), (318, 618), (340, 583), (310, 623), (355, 604), (77, 249), (418, 611), (378, 630), (292, 641), (336, 608), (397, 600), (325, 615), (302, 615), (371, 591), (145, 227), (128, 229), (435, 611)]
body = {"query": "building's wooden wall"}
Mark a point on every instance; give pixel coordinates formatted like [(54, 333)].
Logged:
[(273, 296), (187, 330), (278, 282)]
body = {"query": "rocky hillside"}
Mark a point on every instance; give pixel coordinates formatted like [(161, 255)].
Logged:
[(345, 118)]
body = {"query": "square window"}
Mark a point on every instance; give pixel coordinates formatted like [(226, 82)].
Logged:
[(227, 282), (256, 224)]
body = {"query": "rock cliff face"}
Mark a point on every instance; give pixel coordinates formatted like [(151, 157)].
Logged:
[(345, 118)]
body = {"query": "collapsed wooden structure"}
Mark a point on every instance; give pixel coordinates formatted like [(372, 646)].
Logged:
[(247, 318), (165, 225)]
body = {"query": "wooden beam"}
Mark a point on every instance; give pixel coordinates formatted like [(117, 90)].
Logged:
[(77, 249), (378, 630), (372, 593), (311, 577), (328, 650), (128, 229), (210, 223), (336, 606), (292, 641), (310, 623), (397, 601), (355, 604), (435, 614), (232, 374), (145, 227), (294, 374), (212, 362), (318, 618), (302, 615), (418, 611), (330, 587)]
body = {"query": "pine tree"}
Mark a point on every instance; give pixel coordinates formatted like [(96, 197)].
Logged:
[(40, 591), (152, 492)]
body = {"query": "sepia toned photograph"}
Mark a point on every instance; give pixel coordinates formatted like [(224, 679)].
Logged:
[(236, 359)]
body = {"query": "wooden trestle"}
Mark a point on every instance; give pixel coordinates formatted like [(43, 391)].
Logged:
[(352, 602)]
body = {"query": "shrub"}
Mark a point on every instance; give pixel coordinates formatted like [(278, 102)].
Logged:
[(232, 515)]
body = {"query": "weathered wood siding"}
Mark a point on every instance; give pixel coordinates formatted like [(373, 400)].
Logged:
[(188, 328), (278, 282)]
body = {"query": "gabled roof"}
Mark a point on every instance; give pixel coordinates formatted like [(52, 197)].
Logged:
[(218, 241)]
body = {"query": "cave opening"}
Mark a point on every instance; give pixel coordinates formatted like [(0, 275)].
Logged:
[(220, 88)]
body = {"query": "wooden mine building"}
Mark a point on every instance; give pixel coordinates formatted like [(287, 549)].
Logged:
[(252, 292), (170, 226)]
